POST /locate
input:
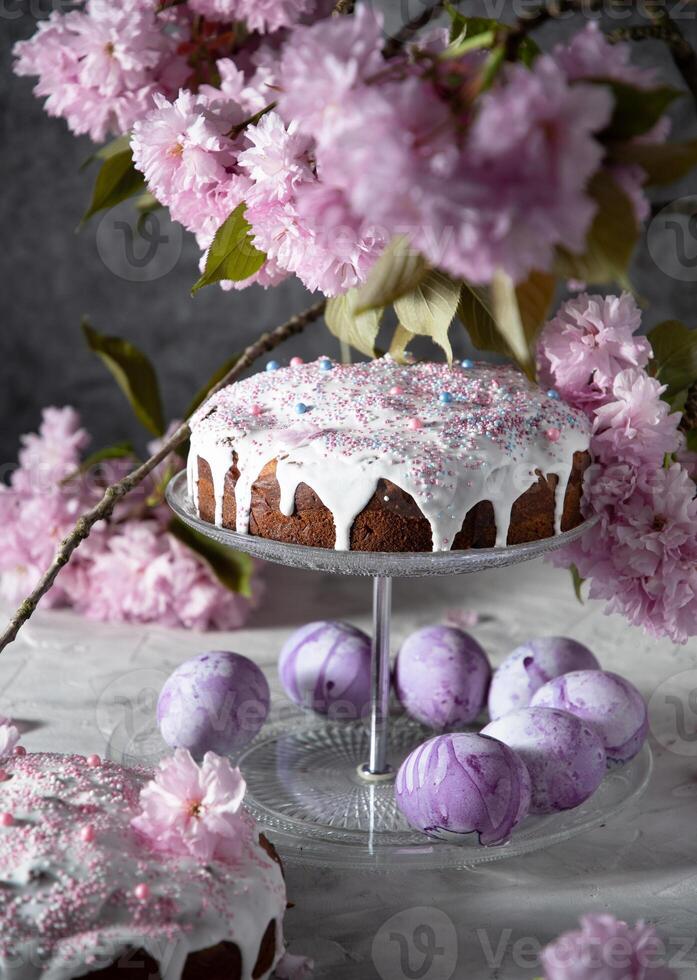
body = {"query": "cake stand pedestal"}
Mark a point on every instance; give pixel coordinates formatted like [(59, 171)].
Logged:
[(324, 789)]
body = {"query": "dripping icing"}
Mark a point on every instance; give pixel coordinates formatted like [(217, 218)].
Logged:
[(488, 443)]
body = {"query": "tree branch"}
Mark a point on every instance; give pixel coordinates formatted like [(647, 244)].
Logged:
[(683, 53), (531, 21), (104, 508), (406, 33)]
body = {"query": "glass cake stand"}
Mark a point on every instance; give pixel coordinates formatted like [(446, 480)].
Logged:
[(324, 789)]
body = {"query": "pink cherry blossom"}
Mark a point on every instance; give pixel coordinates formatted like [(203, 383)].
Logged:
[(589, 341), (196, 810), (636, 426), (100, 68), (589, 54), (9, 737), (516, 199), (321, 64), (278, 156), (642, 557), (609, 949), (145, 575), (54, 451)]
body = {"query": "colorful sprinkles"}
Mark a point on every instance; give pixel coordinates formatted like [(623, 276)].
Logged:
[(380, 419)]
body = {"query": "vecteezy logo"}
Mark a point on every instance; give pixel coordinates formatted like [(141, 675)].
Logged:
[(416, 944), (672, 239), (138, 248), (673, 713)]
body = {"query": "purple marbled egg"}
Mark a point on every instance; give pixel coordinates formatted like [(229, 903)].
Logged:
[(441, 676), (325, 666), (564, 756), (217, 702), (463, 783), (605, 701), (530, 666)]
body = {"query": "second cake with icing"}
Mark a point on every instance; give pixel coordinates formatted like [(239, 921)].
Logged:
[(378, 456)]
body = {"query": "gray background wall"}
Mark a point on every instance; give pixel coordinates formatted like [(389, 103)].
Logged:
[(50, 276)]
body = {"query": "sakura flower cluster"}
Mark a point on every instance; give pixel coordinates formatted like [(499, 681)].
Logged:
[(130, 569), (641, 555), (100, 68), (334, 148), (195, 810), (608, 948)]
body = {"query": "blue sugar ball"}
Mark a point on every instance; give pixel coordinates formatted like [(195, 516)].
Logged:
[(445, 398), (300, 408), (467, 363), (325, 364), (272, 366), (553, 394)]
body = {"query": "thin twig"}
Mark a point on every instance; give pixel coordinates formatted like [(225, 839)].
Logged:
[(639, 32), (406, 33), (532, 20), (103, 510), (683, 53)]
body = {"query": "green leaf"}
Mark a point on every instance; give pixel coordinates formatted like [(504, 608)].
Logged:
[(401, 338), (117, 145), (535, 297), (509, 319), (134, 375), (120, 450), (674, 356), (232, 254), (691, 440), (467, 33), (636, 110), (479, 315), (664, 163), (359, 330), (475, 312), (233, 569), (215, 378), (577, 582), (428, 310), (398, 270), (611, 239), (116, 181)]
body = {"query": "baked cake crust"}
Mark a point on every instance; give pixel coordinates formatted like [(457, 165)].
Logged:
[(380, 457)]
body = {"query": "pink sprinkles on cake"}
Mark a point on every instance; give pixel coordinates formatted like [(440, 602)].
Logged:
[(487, 439)]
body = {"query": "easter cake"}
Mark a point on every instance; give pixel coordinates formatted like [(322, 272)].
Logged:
[(385, 457), (85, 892)]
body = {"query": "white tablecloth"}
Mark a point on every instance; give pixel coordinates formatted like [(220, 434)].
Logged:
[(71, 682)]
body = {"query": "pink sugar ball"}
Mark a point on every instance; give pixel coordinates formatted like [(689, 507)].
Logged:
[(530, 666), (441, 676), (607, 702), (564, 756)]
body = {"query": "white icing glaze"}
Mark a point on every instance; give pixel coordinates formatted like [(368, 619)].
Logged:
[(68, 907), (489, 442)]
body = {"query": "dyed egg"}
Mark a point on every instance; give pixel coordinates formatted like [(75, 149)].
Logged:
[(217, 702), (441, 676), (461, 784), (606, 702), (564, 756), (325, 666), (530, 666)]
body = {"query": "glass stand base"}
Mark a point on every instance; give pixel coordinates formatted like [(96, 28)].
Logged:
[(307, 787), (304, 785)]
